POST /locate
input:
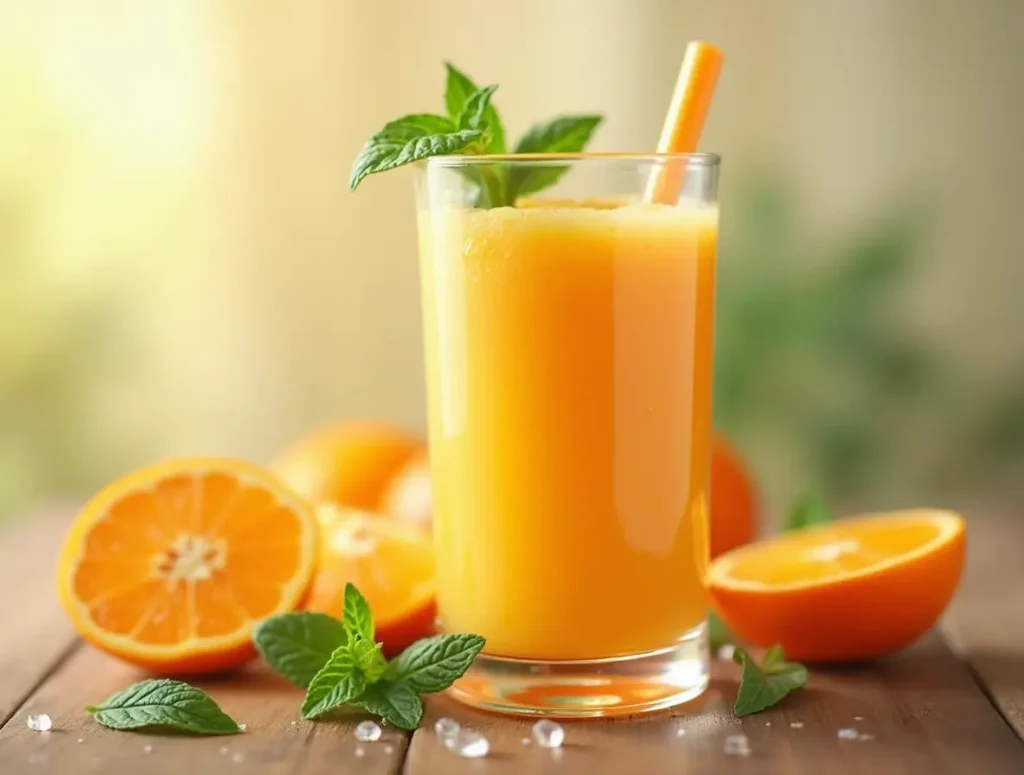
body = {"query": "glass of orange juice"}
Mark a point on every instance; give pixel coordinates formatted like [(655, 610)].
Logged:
[(568, 347)]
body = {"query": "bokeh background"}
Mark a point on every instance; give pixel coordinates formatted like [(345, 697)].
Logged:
[(183, 270)]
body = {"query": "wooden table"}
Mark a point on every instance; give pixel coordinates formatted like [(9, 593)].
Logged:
[(954, 703)]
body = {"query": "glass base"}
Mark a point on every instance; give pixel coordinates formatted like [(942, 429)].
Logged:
[(589, 688)]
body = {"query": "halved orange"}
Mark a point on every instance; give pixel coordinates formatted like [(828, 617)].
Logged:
[(850, 590), (172, 567), (392, 564)]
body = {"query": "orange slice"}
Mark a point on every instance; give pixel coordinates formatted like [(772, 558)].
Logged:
[(853, 589), (392, 564), (171, 567)]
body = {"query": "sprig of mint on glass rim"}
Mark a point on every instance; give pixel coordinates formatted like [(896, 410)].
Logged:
[(339, 664), (473, 126)]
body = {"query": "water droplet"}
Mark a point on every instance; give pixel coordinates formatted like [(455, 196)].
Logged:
[(223, 750), (40, 723), (148, 749), (680, 732), (467, 743), (389, 748), (726, 652), (80, 739), (796, 725), (548, 734), (242, 725), (367, 732), (767, 723), (446, 727), (737, 745), (865, 737), (294, 723), (847, 734), (527, 741), (238, 757), (858, 718), (360, 751)]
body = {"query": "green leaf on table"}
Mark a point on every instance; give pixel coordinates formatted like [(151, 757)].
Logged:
[(459, 88), (394, 701), (567, 134), (433, 664), (297, 645), (810, 509), (356, 615), (369, 658), (163, 704), (765, 685), (407, 140), (339, 682)]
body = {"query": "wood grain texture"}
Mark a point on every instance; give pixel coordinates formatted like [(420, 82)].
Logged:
[(270, 745), (985, 623), (36, 635), (923, 710)]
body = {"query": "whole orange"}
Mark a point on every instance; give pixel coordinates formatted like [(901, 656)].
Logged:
[(733, 499), (407, 496), (349, 463)]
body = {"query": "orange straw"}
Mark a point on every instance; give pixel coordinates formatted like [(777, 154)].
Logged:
[(696, 85)]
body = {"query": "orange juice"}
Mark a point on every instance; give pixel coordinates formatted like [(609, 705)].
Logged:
[(568, 353)]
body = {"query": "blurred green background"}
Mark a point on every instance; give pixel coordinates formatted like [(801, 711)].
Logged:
[(182, 269)]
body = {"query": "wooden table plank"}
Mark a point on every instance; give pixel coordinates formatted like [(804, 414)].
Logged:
[(271, 744), (36, 634), (923, 709), (985, 624)]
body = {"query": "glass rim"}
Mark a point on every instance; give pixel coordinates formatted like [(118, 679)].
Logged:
[(457, 160)]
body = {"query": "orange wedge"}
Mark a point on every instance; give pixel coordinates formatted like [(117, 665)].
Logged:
[(850, 590), (392, 564), (171, 567)]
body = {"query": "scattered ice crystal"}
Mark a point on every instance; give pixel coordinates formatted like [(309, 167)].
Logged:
[(241, 725), (847, 734), (40, 723), (367, 732), (446, 727), (469, 744), (737, 745), (858, 718), (726, 652), (548, 734), (796, 724), (865, 737)]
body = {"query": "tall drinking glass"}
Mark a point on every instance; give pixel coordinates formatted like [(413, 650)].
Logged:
[(568, 359)]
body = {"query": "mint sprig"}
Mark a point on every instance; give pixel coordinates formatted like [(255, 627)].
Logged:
[(355, 672), (474, 126), (297, 645), (764, 685), (163, 704)]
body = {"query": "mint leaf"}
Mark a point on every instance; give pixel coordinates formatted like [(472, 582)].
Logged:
[(297, 645), (764, 686), (338, 682), (432, 664), (395, 702), (356, 614), (810, 509), (567, 134), (416, 125), (400, 146), (369, 658), (458, 89), (473, 115), (164, 704), (718, 633)]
